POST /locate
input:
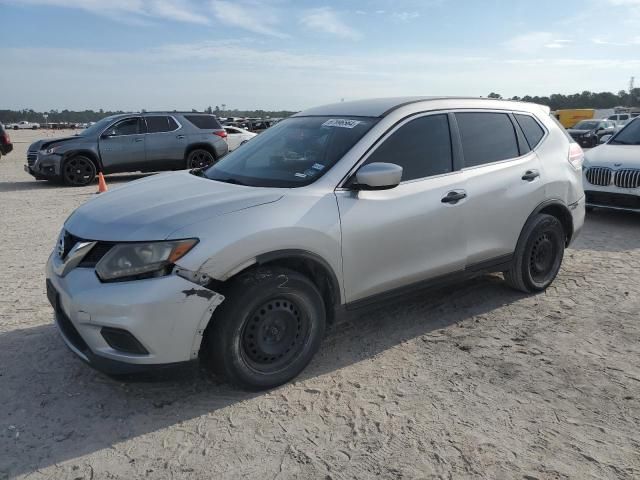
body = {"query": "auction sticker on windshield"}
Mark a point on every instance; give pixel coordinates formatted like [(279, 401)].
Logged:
[(341, 123)]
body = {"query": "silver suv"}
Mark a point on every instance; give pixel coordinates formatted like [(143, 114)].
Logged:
[(244, 264)]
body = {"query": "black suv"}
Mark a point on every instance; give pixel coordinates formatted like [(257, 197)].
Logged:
[(5, 141), (138, 142)]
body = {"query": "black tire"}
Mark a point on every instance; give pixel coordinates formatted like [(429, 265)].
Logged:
[(78, 171), (589, 209), (267, 330), (538, 255), (200, 158)]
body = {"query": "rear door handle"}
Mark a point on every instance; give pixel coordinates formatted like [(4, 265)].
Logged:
[(138, 139), (180, 137), (531, 175), (454, 196)]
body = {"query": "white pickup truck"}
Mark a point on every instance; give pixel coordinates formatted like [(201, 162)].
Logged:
[(23, 125)]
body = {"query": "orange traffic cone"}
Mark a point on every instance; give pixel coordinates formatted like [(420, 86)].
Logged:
[(102, 185)]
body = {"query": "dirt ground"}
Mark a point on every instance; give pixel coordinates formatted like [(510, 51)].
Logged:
[(475, 381)]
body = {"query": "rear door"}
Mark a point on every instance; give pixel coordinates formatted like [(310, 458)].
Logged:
[(401, 236), (504, 181), (122, 146), (165, 143)]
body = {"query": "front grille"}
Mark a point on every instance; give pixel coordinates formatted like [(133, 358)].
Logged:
[(32, 157), (627, 178), (599, 176), (620, 200)]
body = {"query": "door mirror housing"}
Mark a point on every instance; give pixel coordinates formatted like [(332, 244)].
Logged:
[(378, 176), (108, 134)]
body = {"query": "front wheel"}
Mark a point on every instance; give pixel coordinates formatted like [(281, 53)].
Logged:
[(199, 158), (538, 255), (267, 330), (78, 171)]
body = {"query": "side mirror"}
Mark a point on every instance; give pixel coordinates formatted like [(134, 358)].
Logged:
[(378, 176), (108, 134), (605, 138)]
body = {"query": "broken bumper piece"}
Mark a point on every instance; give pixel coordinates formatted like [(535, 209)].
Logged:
[(131, 326)]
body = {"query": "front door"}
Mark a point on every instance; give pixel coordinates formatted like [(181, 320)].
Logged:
[(398, 237), (165, 143), (122, 146)]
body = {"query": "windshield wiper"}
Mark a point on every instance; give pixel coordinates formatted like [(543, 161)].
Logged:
[(620, 142), (232, 181)]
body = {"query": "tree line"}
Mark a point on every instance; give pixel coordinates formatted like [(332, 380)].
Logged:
[(586, 99), (86, 116)]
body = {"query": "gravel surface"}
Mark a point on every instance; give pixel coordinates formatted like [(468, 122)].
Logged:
[(475, 381)]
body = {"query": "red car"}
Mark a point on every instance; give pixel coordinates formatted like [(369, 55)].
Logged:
[(5, 141)]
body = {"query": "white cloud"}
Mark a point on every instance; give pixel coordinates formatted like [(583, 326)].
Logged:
[(405, 16), (132, 11), (248, 17), (535, 41), (326, 20)]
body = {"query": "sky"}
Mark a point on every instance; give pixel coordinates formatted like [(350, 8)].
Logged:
[(286, 54)]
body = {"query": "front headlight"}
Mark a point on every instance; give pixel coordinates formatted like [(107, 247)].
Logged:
[(151, 259), (51, 150)]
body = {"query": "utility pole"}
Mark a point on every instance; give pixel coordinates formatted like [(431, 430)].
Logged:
[(632, 84)]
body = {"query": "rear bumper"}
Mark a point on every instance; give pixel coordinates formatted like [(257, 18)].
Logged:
[(6, 148), (577, 213), (166, 315)]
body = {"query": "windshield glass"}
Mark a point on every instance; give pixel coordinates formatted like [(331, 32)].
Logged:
[(293, 153), (97, 127), (586, 125), (629, 135)]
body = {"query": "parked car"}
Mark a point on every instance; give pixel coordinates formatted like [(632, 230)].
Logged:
[(5, 141), (588, 132), (147, 142), (237, 136), (619, 118), (334, 209), (24, 125), (612, 171)]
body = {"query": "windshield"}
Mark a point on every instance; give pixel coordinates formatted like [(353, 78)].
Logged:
[(586, 125), (293, 153), (629, 135), (97, 127)]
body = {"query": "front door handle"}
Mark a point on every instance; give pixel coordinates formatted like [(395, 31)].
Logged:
[(180, 137), (531, 175), (454, 197), (138, 139)]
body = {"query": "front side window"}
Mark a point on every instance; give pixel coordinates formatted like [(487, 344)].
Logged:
[(532, 130), (293, 153), (129, 126), (422, 147), (486, 137)]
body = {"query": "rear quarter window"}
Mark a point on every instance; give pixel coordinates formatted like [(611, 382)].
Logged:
[(532, 130), (204, 122)]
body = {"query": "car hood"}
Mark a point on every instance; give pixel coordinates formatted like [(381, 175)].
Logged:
[(614, 156), (154, 207), (47, 142)]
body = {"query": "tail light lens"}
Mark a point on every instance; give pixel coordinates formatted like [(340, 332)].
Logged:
[(576, 156), (221, 133)]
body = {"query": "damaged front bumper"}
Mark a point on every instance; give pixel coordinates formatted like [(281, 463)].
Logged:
[(131, 326)]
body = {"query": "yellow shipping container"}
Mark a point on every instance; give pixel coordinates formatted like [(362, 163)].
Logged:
[(568, 118)]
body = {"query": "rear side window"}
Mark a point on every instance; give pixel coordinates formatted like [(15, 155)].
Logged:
[(486, 137), (158, 124), (421, 147), (204, 122), (532, 130)]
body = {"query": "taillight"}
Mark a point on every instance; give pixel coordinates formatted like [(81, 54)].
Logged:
[(576, 155), (220, 133)]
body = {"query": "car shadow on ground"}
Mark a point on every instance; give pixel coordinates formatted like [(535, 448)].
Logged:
[(609, 231), (52, 400)]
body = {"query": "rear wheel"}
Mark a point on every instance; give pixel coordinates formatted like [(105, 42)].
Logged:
[(267, 330), (199, 158), (538, 254), (78, 171)]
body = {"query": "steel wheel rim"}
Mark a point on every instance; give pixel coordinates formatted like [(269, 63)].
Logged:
[(274, 335), (543, 256), (200, 159), (78, 171)]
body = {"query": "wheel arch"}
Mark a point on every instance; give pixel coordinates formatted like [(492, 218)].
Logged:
[(87, 153), (203, 146), (558, 209)]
